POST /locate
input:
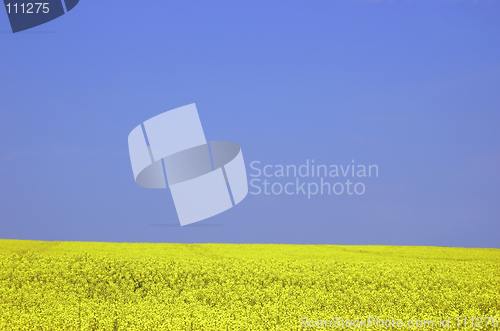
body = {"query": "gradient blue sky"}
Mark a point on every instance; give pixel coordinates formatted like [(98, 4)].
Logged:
[(412, 86)]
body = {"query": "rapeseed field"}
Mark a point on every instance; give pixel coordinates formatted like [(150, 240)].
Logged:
[(140, 286)]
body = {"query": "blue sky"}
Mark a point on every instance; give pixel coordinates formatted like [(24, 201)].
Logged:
[(411, 86)]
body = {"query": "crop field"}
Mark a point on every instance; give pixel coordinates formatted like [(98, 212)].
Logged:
[(134, 286)]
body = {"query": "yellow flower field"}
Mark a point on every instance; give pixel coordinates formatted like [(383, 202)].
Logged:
[(129, 286)]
